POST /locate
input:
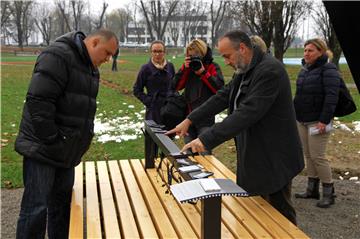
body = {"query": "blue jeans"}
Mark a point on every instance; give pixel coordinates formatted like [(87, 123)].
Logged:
[(47, 195)]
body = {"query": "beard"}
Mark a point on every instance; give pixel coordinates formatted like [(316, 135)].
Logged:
[(240, 66)]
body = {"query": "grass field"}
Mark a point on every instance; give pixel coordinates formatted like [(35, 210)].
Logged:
[(113, 102)]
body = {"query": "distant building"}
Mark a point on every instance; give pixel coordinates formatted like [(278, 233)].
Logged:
[(197, 27)]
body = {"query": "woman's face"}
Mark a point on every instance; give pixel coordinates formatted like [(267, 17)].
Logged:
[(158, 53), (311, 54), (191, 53)]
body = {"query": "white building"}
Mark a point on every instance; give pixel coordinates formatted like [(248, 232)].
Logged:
[(175, 34)]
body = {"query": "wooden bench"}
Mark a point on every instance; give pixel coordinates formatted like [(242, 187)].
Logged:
[(120, 199)]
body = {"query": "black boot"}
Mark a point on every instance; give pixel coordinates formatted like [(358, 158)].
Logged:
[(312, 190), (328, 196)]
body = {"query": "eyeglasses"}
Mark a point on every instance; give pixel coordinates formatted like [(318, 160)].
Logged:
[(157, 52)]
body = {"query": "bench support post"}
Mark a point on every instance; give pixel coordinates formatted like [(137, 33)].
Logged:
[(150, 151), (211, 218)]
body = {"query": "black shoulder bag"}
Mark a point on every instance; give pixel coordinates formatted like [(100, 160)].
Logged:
[(345, 104)]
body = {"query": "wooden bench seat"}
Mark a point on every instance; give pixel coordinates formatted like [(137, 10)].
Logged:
[(120, 199)]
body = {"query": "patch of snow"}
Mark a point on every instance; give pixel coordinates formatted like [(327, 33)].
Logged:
[(344, 127), (118, 129), (356, 125)]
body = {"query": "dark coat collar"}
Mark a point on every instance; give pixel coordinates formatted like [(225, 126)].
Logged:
[(322, 60)]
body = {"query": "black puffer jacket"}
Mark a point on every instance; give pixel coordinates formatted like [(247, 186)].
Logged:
[(57, 121), (317, 90)]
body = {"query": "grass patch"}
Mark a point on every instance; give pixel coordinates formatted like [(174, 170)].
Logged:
[(111, 99)]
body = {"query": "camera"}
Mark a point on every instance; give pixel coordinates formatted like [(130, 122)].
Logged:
[(195, 63)]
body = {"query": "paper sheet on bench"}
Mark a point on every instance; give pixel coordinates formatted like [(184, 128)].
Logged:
[(192, 190)]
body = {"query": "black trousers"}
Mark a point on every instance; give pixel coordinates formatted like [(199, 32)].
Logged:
[(281, 201)]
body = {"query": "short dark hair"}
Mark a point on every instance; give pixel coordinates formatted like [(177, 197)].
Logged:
[(236, 37), (157, 42), (105, 33)]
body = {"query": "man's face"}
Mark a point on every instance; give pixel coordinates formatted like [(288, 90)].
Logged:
[(101, 50), (232, 57)]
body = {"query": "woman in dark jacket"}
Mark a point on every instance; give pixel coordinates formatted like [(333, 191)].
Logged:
[(201, 78), (317, 90), (156, 77)]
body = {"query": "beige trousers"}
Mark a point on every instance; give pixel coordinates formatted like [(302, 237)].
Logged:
[(314, 147)]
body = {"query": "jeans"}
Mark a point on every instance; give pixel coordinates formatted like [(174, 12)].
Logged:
[(46, 199)]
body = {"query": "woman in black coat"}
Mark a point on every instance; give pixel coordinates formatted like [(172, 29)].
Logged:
[(155, 76), (317, 90)]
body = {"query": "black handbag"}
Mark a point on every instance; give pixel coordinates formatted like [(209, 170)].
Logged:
[(345, 104), (174, 110)]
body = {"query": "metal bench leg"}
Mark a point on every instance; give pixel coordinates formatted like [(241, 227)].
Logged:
[(211, 218), (150, 151)]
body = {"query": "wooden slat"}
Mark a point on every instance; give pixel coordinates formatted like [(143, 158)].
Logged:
[(127, 219), (77, 208), (141, 212), (282, 221), (191, 213), (279, 218), (194, 212), (160, 218), (178, 219), (247, 218), (93, 224), (111, 224)]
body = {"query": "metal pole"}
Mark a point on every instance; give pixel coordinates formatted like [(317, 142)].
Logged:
[(150, 151), (211, 218)]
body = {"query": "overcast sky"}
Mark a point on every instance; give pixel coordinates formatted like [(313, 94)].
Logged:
[(113, 4)]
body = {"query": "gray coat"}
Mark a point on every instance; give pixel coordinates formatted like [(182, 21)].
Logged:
[(263, 124)]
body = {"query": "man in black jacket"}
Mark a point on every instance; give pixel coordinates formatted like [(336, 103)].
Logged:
[(57, 128), (261, 119)]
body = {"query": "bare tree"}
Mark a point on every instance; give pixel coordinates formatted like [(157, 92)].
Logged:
[(21, 17), (325, 28), (64, 19), (157, 14), (217, 13), (192, 14), (118, 21), (174, 31), (6, 20), (138, 30), (45, 21), (286, 15), (102, 15), (77, 8), (256, 15), (6, 12)]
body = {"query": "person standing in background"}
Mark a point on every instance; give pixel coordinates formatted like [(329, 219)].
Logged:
[(201, 78), (317, 90), (114, 58), (155, 76)]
